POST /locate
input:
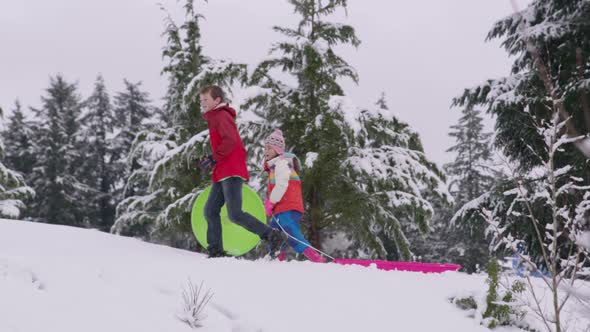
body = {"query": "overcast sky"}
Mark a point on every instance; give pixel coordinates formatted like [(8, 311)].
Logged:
[(421, 53)]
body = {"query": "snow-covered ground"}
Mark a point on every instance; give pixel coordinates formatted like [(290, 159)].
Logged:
[(62, 279)]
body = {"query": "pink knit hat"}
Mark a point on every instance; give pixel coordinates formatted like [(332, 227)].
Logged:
[(276, 141)]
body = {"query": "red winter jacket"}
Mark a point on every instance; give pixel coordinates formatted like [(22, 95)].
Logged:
[(226, 144)]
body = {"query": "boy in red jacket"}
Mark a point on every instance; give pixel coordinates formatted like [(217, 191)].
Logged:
[(229, 173)]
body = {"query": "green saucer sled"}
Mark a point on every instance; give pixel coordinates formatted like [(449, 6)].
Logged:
[(236, 239)]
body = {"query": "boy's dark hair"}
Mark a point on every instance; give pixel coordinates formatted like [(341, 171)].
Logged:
[(214, 91)]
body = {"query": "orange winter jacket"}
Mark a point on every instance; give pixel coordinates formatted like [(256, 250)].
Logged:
[(284, 184)]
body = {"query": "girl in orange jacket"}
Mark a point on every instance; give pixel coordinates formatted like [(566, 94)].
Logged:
[(284, 202)]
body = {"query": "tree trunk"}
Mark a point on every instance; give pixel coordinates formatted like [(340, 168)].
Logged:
[(315, 221)]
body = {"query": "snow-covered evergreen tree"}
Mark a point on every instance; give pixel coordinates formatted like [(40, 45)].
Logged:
[(549, 76), (396, 182), (548, 194), (132, 109), (13, 190), (471, 174), (60, 195), (552, 48), (98, 169), (364, 172), (303, 111), (168, 156), (19, 152)]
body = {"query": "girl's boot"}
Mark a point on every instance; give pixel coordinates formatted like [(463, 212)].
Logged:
[(313, 255)]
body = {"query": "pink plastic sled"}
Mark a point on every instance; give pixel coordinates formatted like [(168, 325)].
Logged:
[(400, 266)]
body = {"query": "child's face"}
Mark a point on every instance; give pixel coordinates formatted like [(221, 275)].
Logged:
[(208, 103), (269, 152)]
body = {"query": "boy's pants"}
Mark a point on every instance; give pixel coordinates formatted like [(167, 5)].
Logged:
[(229, 192)]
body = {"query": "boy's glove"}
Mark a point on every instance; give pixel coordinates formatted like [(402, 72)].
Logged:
[(206, 163), (268, 207)]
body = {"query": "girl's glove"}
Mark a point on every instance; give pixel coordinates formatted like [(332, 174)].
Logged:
[(268, 207)]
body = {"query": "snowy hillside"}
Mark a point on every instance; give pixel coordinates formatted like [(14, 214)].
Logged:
[(62, 279)]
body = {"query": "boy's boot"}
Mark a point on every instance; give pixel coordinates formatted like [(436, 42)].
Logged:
[(275, 240), (216, 253)]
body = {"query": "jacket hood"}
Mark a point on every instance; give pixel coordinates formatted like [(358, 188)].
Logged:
[(221, 108)]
